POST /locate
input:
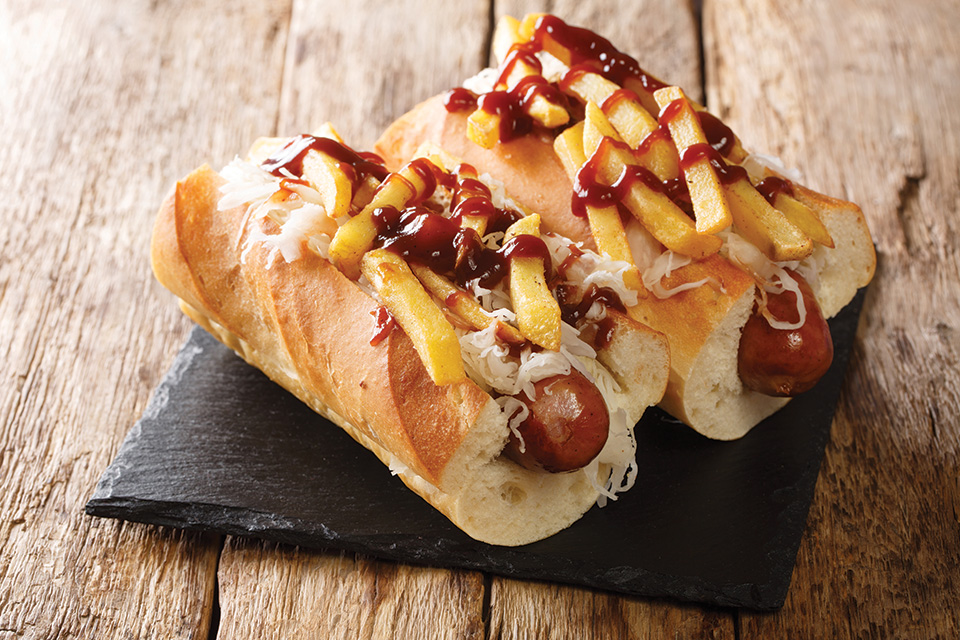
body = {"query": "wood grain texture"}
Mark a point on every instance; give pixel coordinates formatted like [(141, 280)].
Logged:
[(536, 610), (362, 64), (103, 106), (358, 65), (278, 591), (863, 100)]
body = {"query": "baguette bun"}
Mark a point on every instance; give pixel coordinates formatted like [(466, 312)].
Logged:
[(308, 328), (703, 326)]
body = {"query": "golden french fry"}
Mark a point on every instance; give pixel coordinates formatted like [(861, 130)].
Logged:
[(653, 208), (356, 237), (632, 122), (765, 227), (263, 148), (706, 192), (363, 194), (326, 130), (569, 148), (804, 217), (478, 223), (334, 186), (528, 225), (596, 127), (505, 35), (527, 25), (483, 128), (462, 304), (538, 313), (611, 239), (414, 310)]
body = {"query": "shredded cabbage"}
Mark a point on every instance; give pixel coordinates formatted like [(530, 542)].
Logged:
[(772, 276)]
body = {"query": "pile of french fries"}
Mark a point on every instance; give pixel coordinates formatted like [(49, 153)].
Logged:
[(425, 303), (620, 134)]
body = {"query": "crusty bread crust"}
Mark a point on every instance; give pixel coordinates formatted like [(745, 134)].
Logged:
[(308, 328), (703, 325)]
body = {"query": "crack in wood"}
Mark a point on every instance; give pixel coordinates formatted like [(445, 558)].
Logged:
[(485, 605), (213, 630), (907, 198)]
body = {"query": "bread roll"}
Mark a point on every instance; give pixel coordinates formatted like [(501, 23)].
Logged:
[(703, 325), (308, 328)]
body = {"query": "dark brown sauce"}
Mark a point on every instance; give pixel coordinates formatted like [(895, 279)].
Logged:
[(525, 52), (514, 123), (459, 99), (618, 96), (356, 165), (719, 135), (586, 47), (606, 328), (418, 234), (587, 191), (564, 266), (770, 187), (385, 324), (574, 308), (726, 173)]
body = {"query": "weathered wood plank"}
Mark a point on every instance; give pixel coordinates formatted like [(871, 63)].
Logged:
[(362, 64), (863, 99), (102, 106), (278, 591), (358, 65), (663, 37)]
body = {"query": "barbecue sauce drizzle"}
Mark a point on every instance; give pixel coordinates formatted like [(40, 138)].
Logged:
[(289, 158)]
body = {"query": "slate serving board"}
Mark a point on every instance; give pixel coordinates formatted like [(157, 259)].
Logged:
[(221, 448)]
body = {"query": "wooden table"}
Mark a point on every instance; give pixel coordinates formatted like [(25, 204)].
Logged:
[(104, 104)]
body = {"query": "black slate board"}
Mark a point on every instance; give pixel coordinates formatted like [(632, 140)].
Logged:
[(221, 448)]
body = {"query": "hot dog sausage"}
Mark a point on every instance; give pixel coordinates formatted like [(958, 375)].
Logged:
[(567, 426), (785, 362)]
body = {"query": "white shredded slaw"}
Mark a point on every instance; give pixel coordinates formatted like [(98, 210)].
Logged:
[(487, 361)]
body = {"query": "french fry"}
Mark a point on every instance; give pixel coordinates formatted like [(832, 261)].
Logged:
[(765, 227), (356, 237), (505, 35), (804, 217), (632, 122), (483, 128), (652, 208), (263, 148), (326, 130), (538, 313), (527, 25), (706, 193), (606, 227), (628, 116), (334, 186), (363, 194), (542, 110), (477, 223), (431, 334), (462, 304), (596, 127), (611, 239), (569, 149)]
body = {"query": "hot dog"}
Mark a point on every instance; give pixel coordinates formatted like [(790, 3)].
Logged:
[(730, 250), (418, 353)]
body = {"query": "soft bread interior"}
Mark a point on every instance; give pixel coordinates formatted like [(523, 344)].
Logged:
[(443, 442), (490, 498), (704, 333)]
